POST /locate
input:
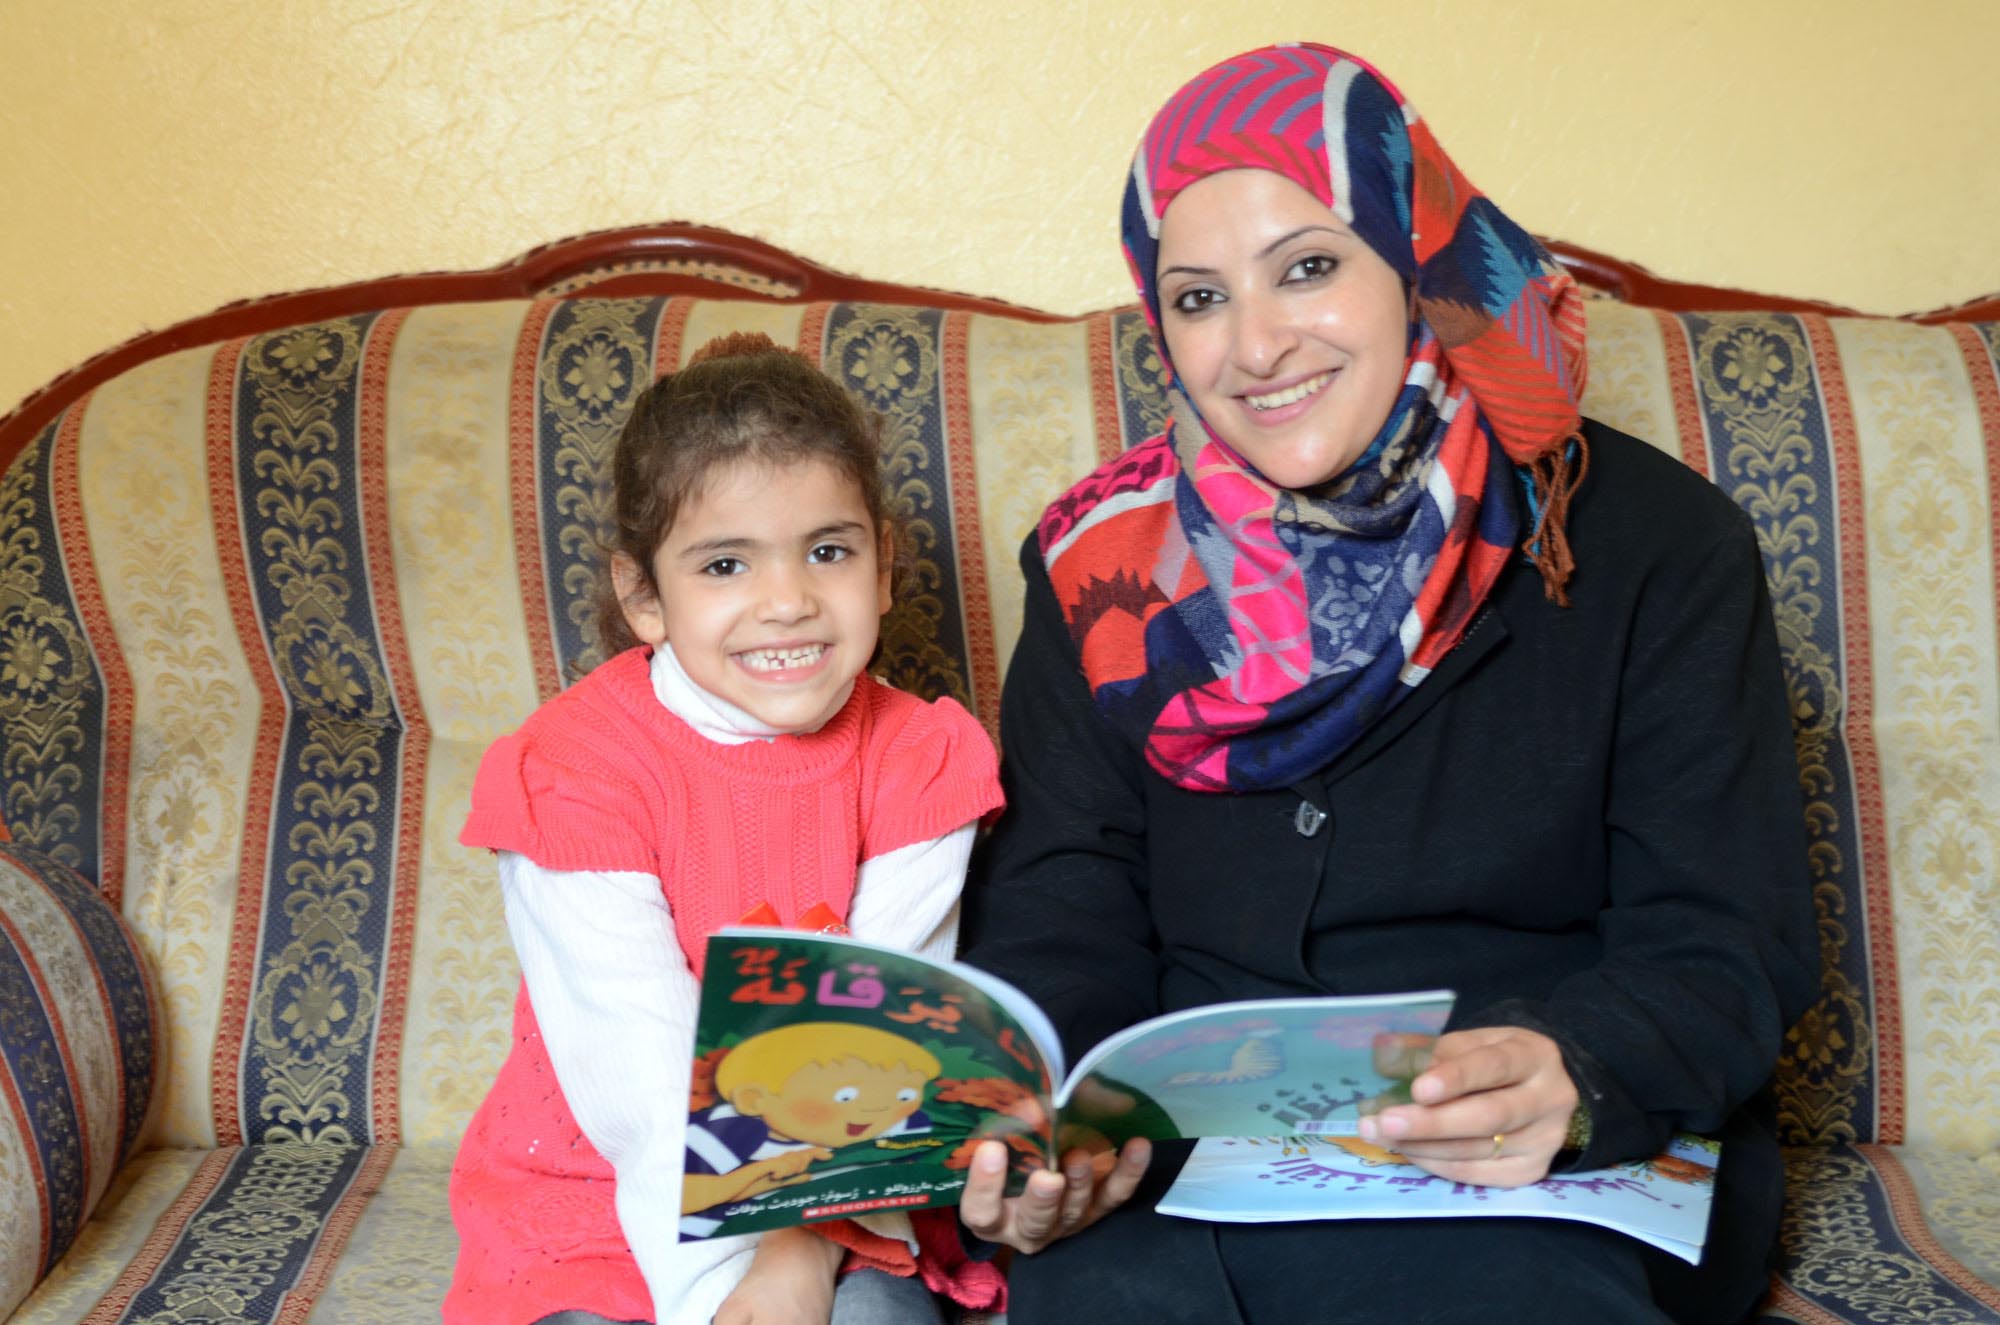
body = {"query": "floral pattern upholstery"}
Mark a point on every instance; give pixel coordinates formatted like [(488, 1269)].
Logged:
[(264, 603)]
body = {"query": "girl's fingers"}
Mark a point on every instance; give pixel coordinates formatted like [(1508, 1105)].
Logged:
[(983, 1207), (1055, 1202), (1079, 1189), (1037, 1210), (1101, 1183), (1125, 1175)]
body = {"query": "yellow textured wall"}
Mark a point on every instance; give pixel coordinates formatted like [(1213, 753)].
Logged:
[(159, 159)]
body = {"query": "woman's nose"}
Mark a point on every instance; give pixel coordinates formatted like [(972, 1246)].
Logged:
[(1262, 335)]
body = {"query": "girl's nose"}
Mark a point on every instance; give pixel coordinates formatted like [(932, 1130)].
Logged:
[(787, 594)]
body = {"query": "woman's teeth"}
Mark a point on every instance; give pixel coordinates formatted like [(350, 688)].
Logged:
[(1290, 394), (777, 660)]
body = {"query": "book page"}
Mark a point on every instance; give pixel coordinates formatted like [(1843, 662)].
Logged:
[(1310, 1066), (1663, 1201)]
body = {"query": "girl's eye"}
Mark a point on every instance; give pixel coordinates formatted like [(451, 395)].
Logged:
[(847, 1095), (723, 566), (1311, 268), (1195, 299), (906, 1094), (828, 552)]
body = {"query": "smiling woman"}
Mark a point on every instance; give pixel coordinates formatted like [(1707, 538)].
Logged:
[(1381, 669), (1288, 332)]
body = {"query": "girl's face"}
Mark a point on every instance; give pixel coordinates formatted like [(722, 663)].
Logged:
[(771, 588), (1286, 330)]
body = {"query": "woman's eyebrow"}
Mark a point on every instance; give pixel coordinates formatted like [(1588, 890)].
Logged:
[(1180, 269), (1302, 231)]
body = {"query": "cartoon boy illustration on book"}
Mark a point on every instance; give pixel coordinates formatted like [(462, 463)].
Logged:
[(790, 1097)]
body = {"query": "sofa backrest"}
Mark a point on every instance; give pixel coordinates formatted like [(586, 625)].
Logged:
[(264, 603)]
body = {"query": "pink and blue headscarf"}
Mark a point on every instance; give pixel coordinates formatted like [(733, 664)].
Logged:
[(1246, 633)]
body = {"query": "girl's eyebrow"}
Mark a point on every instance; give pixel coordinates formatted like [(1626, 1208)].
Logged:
[(709, 547)]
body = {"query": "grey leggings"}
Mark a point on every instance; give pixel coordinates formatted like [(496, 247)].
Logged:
[(866, 1297)]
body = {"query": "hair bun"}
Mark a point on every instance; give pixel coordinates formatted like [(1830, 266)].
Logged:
[(738, 345)]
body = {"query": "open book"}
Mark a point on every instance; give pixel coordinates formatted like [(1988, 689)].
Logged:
[(834, 1077), (1663, 1201)]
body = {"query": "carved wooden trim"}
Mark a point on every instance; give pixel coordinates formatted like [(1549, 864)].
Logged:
[(1630, 283), (677, 258)]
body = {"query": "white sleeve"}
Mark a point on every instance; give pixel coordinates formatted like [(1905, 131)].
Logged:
[(616, 1000), (908, 898)]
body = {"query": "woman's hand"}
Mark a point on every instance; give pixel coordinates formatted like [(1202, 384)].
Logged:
[(790, 1282), (1056, 1203), (1499, 1082)]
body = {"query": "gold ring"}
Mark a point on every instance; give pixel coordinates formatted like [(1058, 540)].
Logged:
[(1499, 1140)]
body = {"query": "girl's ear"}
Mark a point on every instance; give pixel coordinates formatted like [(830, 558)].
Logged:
[(885, 572), (639, 600)]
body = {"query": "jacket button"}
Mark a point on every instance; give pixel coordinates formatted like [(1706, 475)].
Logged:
[(1309, 819)]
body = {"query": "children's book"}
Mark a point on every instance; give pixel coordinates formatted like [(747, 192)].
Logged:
[(834, 1077), (1253, 1180)]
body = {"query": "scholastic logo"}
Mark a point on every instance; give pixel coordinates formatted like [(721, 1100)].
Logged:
[(859, 1207)]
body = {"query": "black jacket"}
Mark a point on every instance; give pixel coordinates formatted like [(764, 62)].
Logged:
[(1586, 821)]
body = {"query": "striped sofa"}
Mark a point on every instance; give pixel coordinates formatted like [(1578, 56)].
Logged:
[(271, 582)]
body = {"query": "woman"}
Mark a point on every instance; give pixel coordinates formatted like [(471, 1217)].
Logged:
[(1381, 670)]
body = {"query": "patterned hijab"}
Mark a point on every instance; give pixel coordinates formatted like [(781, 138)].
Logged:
[(1246, 633)]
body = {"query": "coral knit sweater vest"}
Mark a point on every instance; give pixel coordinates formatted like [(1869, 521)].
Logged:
[(604, 777)]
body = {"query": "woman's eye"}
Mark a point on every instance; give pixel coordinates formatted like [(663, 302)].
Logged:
[(1311, 268), (722, 566), (847, 1095), (906, 1095), (827, 552), (1196, 299)]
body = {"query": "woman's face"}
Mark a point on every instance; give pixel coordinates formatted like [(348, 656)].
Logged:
[(1287, 331)]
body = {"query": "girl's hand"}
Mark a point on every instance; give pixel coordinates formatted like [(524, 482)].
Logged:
[(790, 1282), (1056, 1203), (1497, 1082)]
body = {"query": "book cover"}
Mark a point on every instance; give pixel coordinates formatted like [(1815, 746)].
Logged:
[(1663, 1201), (834, 1077)]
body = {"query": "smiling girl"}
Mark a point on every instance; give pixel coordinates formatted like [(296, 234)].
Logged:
[(731, 756)]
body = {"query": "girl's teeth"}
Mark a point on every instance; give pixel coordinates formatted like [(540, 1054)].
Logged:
[(1290, 394), (774, 660)]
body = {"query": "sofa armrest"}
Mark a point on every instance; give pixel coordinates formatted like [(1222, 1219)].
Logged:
[(78, 1027)]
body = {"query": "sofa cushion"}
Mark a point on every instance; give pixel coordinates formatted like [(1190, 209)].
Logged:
[(77, 1028), (295, 674), (292, 674), (1878, 1233), (1862, 450), (264, 603), (352, 1235)]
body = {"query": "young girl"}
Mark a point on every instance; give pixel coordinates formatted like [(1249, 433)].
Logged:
[(730, 757)]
